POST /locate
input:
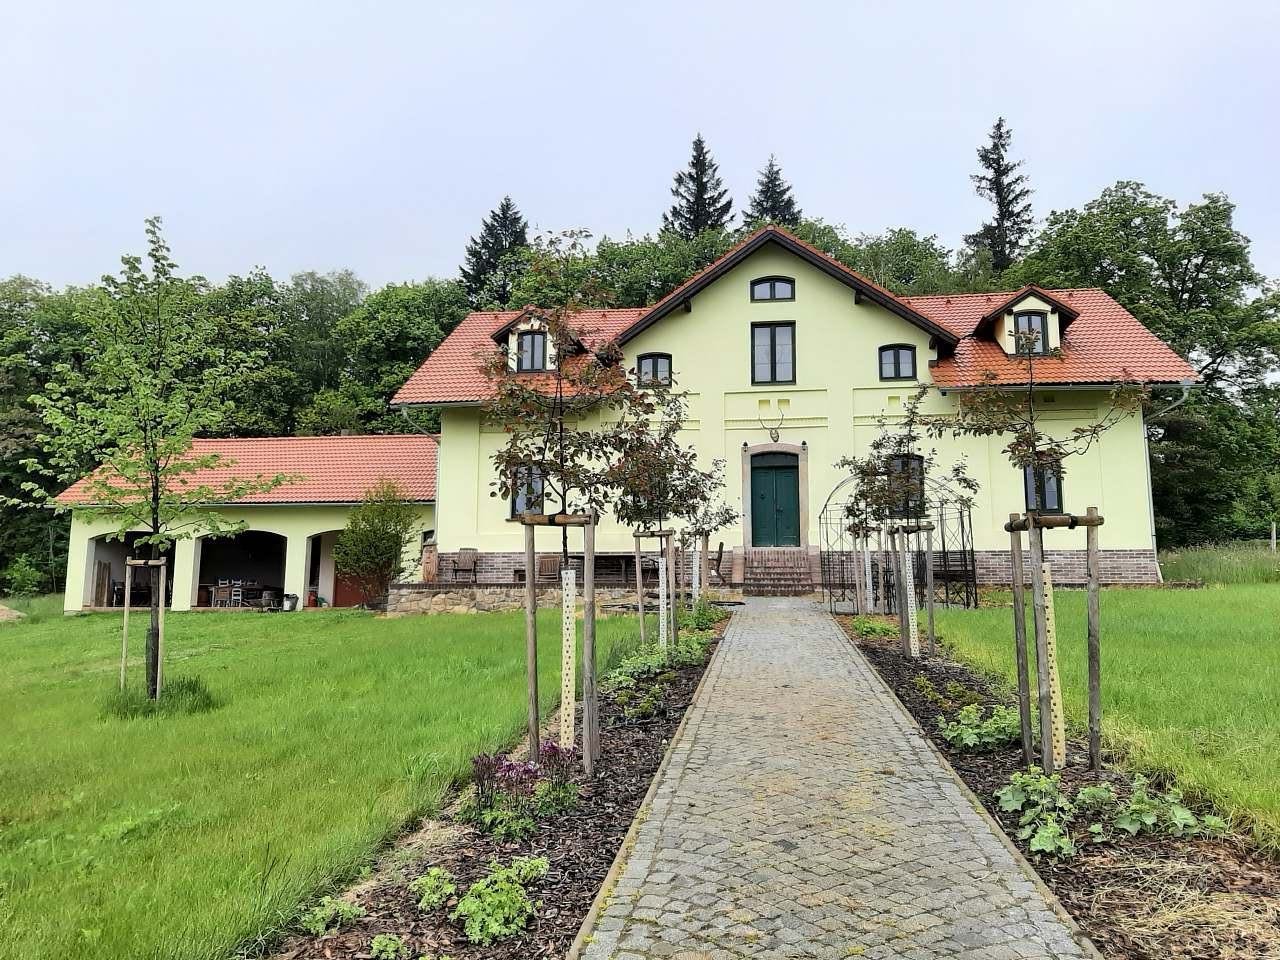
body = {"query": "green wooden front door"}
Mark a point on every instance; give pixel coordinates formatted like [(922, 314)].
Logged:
[(775, 500)]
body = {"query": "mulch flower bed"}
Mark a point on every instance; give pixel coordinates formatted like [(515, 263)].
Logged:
[(1146, 898), (580, 846)]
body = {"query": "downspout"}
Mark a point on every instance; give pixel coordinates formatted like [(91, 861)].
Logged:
[(1146, 444)]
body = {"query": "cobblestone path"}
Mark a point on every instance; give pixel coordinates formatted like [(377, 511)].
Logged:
[(802, 815)]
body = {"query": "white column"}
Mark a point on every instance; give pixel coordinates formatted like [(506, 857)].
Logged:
[(80, 551), (297, 560), (324, 543), (186, 573)]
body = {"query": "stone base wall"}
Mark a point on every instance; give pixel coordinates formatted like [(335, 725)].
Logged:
[(453, 598), (1117, 566)]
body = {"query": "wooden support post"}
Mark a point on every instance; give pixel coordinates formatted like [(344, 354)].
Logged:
[(1273, 536), (868, 595), (1020, 641), (706, 561), (590, 704), (640, 589), (1095, 644), (160, 632), (531, 635), (1055, 679), (882, 601), (1045, 696), (568, 655), (124, 640), (928, 590)]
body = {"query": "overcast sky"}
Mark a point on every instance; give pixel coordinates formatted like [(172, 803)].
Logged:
[(375, 136)]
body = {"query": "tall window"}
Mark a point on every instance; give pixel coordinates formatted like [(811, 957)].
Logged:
[(531, 350), (653, 368), (1031, 333), (1043, 488), (526, 492), (906, 479), (773, 288), (898, 362), (773, 353)]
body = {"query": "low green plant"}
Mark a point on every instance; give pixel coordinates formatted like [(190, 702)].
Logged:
[(433, 888), (22, 578), (969, 731), (701, 616), (1045, 812), (958, 693), (498, 905), (177, 696), (388, 946), (867, 627), (552, 797), (506, 821), (330, 912), (1148, 811)]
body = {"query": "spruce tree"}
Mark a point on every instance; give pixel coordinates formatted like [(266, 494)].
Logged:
[(503, 233), (773, 202), (701, 200), (1006, 188)]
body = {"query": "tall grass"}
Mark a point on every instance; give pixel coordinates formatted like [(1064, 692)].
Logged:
[(1191, 684), (1241, 562), (181, 836)]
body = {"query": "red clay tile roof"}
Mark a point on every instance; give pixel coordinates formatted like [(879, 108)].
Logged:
[(333, 469), (1104, 344), (454, 372)]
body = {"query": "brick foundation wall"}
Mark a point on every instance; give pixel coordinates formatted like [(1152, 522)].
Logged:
[(1117, 566)]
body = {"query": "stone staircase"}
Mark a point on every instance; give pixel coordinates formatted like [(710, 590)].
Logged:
[(777, 572)]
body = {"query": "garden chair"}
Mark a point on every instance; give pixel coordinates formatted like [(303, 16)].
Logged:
[(549, 568), (715, 565), (464, 567)]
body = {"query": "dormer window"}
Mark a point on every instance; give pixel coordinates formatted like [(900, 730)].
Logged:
[(1031, 333), (531, 351), (653, 368), (898, 362), (773, 288)]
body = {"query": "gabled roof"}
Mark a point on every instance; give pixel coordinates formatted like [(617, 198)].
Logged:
[(1104, 343), (332, 469), (1065, 312), (454, 372), (805, 251)]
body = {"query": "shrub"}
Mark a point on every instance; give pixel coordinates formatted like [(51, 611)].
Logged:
[(387, 946), (701, 616), (370, 550), (329, 912), (22, 578), (433, 888), (970, 732), (498, 905), (177, 696)]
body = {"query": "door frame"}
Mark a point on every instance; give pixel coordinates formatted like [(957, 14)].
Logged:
[(801, 453)]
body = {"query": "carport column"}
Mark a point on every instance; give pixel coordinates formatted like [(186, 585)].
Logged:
[(79, 567), (297, 561), (186, 570)]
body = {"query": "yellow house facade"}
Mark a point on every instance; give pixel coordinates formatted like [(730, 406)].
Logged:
[(790, 361)]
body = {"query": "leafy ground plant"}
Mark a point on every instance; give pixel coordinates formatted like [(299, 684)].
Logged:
[(498, 905), (388, 946), (1045, 812), (177, 696), (433, 888), (329, 913), (970, 731)]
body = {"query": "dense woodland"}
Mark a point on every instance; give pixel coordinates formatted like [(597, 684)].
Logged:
[(327, 352)]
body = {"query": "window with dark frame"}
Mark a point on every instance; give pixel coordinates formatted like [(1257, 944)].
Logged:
[(1031, 333), (1043, 487), (653, 368), (773, 288), (526, 491), (773, 353), (906, 472), (898, 362), (531, 351)]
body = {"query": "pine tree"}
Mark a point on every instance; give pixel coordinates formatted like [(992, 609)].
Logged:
[(702, 202), (773, 202), (1006, 188), (503, 232)]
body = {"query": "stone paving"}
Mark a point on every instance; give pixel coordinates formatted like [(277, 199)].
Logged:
[(803, 815)]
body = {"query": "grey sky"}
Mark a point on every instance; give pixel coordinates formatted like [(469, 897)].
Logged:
[(376, 135)]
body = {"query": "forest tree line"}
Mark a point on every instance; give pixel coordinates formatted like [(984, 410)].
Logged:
[(330, 352)]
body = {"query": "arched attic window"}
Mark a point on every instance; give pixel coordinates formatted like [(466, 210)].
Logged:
[(773, 288)]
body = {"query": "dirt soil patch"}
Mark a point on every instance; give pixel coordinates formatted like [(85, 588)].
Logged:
[(580, 845), (1149, 898)]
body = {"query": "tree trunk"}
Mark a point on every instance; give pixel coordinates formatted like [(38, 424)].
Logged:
[(153, 629)]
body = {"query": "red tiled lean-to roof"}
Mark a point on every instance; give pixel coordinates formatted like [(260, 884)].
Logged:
[(330, 469), (1103, 344)]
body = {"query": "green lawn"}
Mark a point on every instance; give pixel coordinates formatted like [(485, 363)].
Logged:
[(1191, 684), (184, 836)]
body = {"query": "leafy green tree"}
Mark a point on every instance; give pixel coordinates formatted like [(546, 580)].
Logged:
[(154, 375), (773, 202), (22, 578), (371, 549), (1000, 182), (487, 272), (701, 198), (316, 302)]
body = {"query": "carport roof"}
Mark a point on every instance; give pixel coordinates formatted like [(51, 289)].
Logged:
[(322, 469)]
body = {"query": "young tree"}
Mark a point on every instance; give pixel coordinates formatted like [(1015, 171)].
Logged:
[(772, 202), (701, 199), (1006, 188), (154, 375), (370, 551), (503, 234)]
